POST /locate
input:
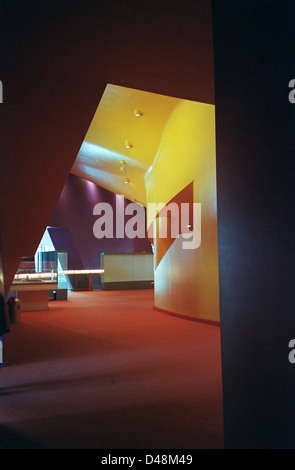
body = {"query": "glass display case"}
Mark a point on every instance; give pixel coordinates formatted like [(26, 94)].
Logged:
[(29, 273), (50, 267), (46, 277), (62, 266), (33, 282)]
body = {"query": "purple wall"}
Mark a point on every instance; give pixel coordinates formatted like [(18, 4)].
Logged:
[(61, 238), (74, 212)]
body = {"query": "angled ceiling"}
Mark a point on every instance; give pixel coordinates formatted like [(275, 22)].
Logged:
[(113, 125)]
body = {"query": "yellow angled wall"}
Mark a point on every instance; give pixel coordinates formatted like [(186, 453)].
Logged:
[(186, 280)]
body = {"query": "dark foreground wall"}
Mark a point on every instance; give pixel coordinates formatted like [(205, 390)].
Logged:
[(254, 62)]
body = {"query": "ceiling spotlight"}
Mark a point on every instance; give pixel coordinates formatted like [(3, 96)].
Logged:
[(126, 180), (137, 113), (122, 162), (128, 145), (122, 168)]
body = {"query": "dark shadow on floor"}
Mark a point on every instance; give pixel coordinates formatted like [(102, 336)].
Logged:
[(10, 439), (156, 427)]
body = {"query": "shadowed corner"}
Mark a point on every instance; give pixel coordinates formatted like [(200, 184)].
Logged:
[(11, 439)]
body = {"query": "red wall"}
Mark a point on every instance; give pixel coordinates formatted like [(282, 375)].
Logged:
[(58, 58)]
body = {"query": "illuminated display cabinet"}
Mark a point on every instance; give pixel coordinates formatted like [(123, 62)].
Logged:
[(47, 278), (33, 283)]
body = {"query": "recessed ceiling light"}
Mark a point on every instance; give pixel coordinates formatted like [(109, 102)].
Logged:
[(128, 144), (126, 180), (122, 162), (122, 168), (137, 113)]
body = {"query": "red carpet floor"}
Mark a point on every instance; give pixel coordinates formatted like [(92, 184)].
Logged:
[(104, 370)]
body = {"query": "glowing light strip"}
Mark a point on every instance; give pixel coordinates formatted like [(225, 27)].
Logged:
[(36, 276), (54, 275), (82, 271)]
